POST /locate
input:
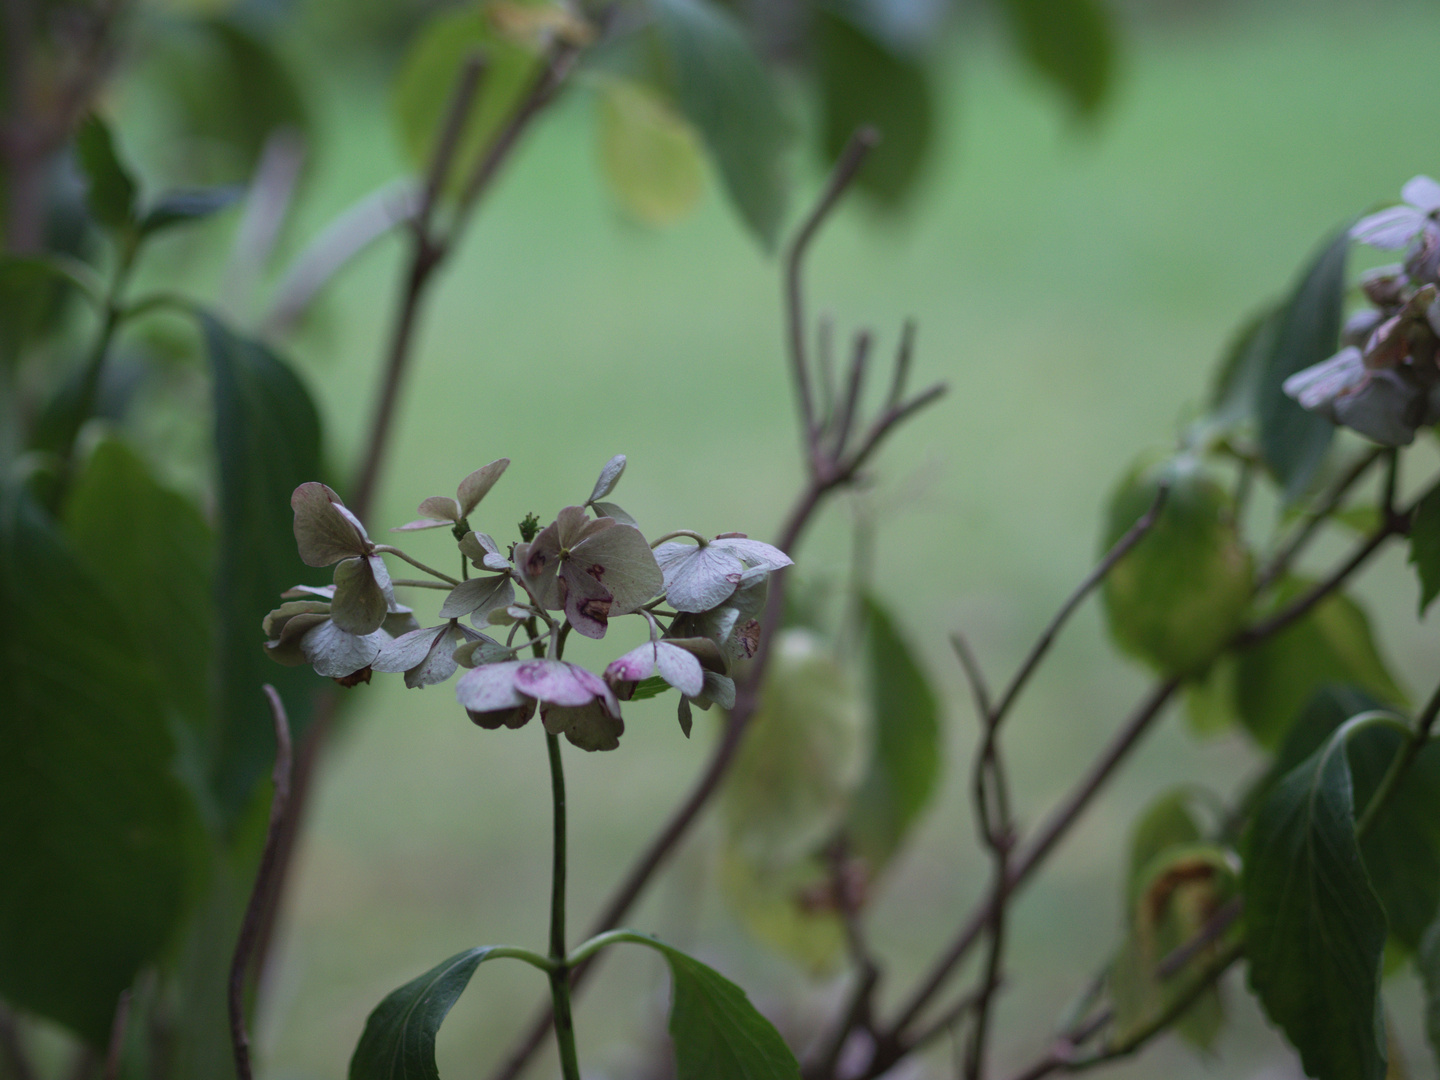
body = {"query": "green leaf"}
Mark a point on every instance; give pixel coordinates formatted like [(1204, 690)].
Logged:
[(904, 768), (1425, 546), (1293, 442), (1210, 699), (267, 443), (649, 154), (718, 1034), (398, 1042), (1167, 823), (1233, 399), (30, 290), (1428, 963), (183, 207), (1314, 929), (790, 909), (153, 555), (1181, 592), (99, 839), (863, 81), (1331, 644), (1069, 42), (427, 78), (725, 91), (111, 189)]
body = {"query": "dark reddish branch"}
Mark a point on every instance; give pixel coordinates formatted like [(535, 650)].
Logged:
[(245, 946)]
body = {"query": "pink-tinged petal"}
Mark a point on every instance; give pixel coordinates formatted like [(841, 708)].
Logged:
[(325, 532), (538, 563), (554, 682), (587, 603), (478, 484), (489, 688), (637, 664), (1423, 193), (336, 653), (679, 668)]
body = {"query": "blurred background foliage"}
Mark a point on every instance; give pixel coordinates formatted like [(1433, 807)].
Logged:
[(1077, 201)]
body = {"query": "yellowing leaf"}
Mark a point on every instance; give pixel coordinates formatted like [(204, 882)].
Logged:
[(789, 910), (649, 153)]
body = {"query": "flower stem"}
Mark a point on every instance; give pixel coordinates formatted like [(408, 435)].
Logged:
[(560, 971)]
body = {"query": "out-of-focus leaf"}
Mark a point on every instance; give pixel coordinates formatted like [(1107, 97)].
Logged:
[(1428, 963), (111, 189), (29, 289), (1069, 42), (267, 443), (904, 767), (791, 909), (398, 1042), (1233, 398), (864, 81), (650, 155), (1292, 441), (1332, 643), (1425, 546), (153, 555), (181, 207), (800, 759), (1327, 708), (1314, 929), (1180, 892), (1168, 822), (1181, 592), (1210, 699), (426, 83), (725, 91), (96, 852)]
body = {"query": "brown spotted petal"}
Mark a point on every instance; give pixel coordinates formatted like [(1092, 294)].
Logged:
[(587, 603), (363, 595), (619, 559), (326, 532)]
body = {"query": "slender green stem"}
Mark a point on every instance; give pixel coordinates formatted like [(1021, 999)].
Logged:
[(534, 959), (587, 949), (690, 533), (559, 966), (1419, 737)]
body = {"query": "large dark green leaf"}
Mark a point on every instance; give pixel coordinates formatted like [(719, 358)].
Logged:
[(1314, 929), (725, 91), (1425, 546), (1332, 644), (153, 555), (1183, 590), (399, 1038), (1293, 441), (111, 189), (267, 443), (1069, 42), (863, 81), (96, 849), (904, 769)]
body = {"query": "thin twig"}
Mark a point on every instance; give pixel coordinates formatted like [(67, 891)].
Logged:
[(118, 1028), (979, 689), (1328, 505), (250, 927), (903, 357), (447, 141), (859, 362)]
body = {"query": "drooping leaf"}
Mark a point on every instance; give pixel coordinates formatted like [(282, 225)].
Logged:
[(1071, 43), (1314, 929), (182, 207), (650, 155), (864, 81), (154, 556), (799, 763), (789, 909), (96, 853), (1182, 591), (1292, 441), (725, 91), (1168, 822), (903, 773), (427, 77), (267, 443), (398, 1042), (111, 190), (1425, 546), (1331, 644)]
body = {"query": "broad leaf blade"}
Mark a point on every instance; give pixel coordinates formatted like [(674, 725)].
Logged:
[(725, 91), (1425, 546), (267, 443), (111, 191), (1071, 43), (904, 769), (1314, 929), (399, 1038), (652, 159), (99, 835), (1292, 441)]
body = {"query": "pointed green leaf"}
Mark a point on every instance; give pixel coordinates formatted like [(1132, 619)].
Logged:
[(184, 207), (1314, 929), (154, 557), (1292, 441), (1233, 397), (267, 443), (904, 768), (398, 1042), (111, 189), (1425, 546), (726, 92), (97, 850), (864, 81), (1071, 43)]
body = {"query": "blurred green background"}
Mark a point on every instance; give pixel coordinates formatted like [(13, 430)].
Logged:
[(1072, 281)]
